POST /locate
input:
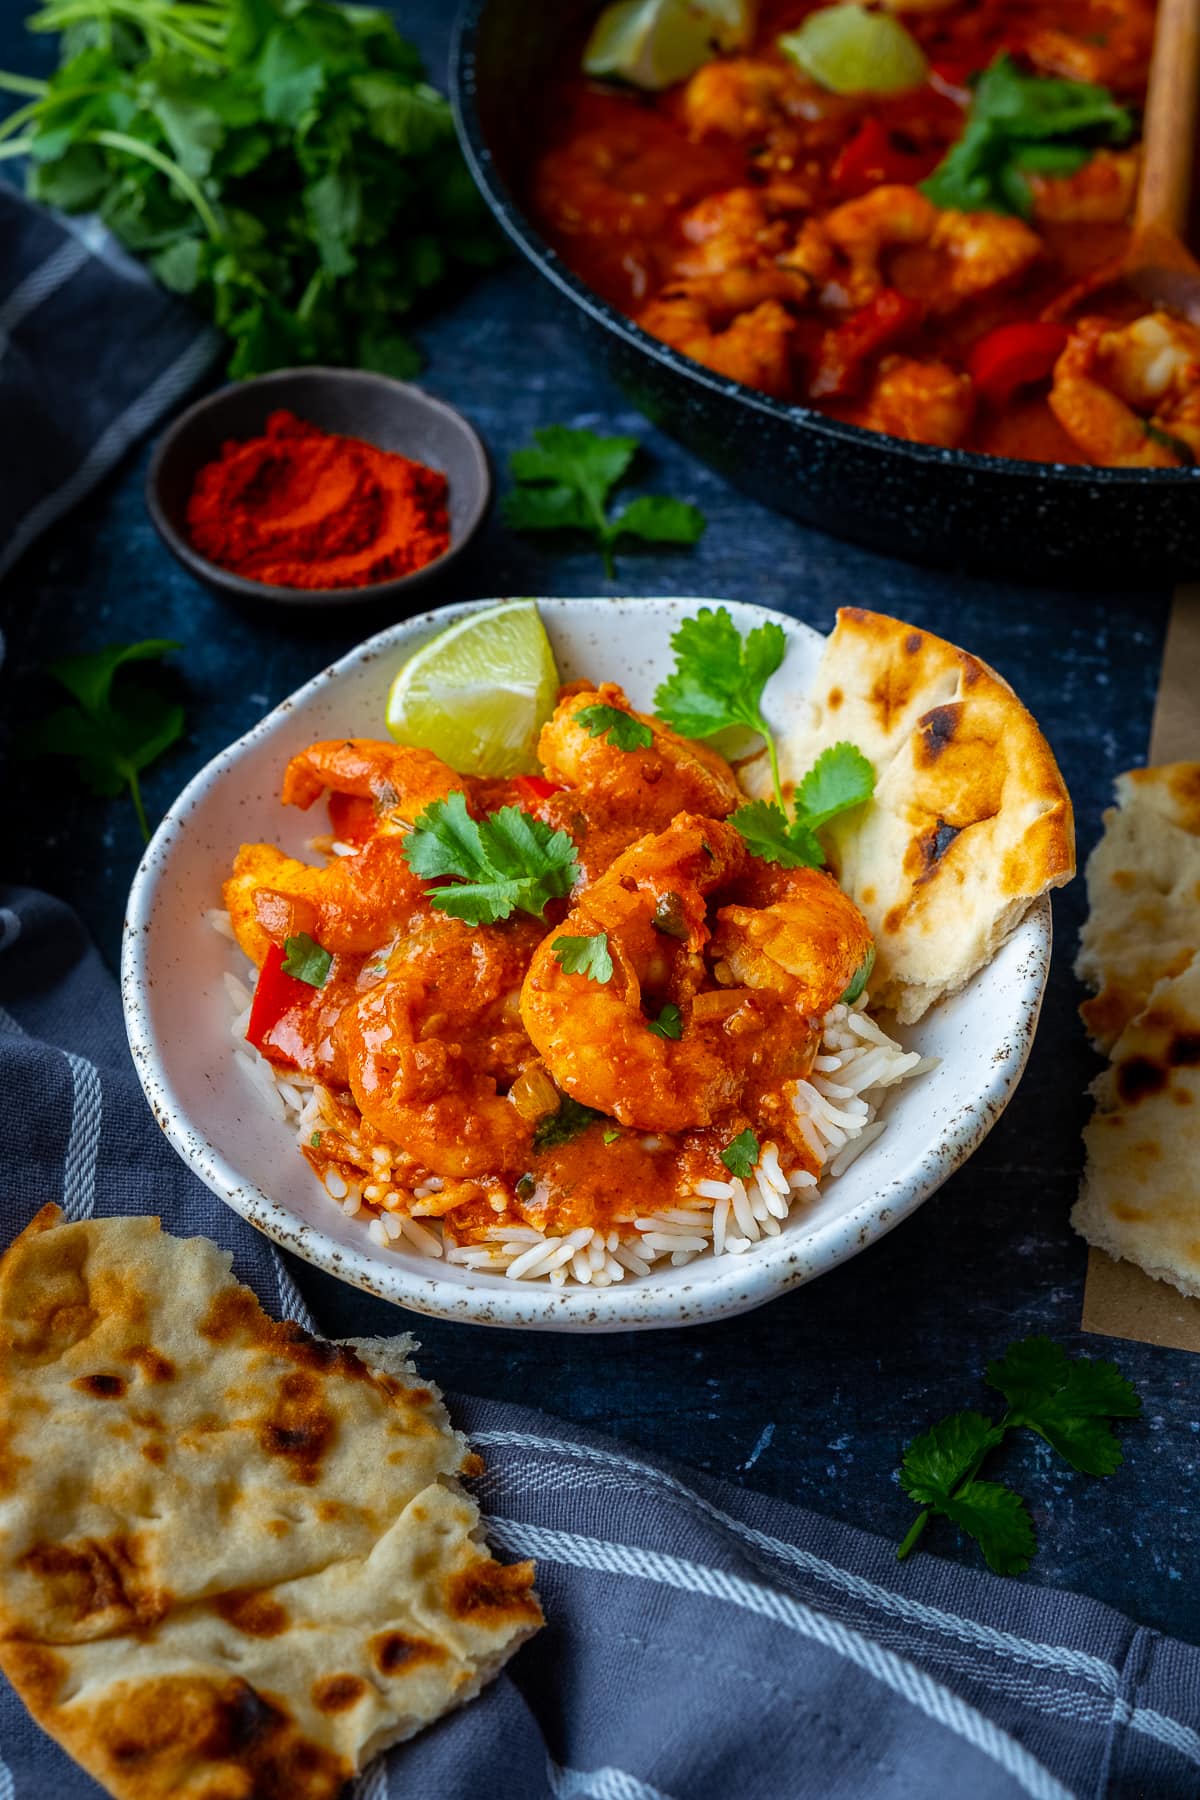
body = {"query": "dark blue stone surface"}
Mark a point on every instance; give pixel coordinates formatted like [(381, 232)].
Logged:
[(811, 1397)]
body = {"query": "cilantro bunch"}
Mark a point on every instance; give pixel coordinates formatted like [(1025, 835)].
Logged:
[(1023, 125), (1067, 1401), (282, 162)]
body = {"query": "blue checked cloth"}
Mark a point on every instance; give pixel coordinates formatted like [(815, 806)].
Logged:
[(703, 1643), (92, 354)]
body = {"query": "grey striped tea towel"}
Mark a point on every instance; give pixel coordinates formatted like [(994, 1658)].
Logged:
[(703, 1643), (92, 353)]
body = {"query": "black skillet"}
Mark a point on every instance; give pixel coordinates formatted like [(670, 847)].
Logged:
[(989, 514)]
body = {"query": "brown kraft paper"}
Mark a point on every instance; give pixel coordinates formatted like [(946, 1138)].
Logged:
[(1119, 1299)]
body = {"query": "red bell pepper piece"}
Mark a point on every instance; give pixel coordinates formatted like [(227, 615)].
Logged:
[(276, 994), (845, 349), (1014, 355), (870, 158), (536, 787)]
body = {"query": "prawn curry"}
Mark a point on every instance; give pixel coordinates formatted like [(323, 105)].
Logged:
[(902, 216), (635, 1026), (564, 1024)]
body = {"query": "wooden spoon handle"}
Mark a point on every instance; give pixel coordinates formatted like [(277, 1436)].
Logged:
[(1169, 133)]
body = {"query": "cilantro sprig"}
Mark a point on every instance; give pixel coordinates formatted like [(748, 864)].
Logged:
[(618, 728), (717, 682), (1067, 1401), (114, 729), (282, 162), (840, 779), (564, 483), (719, 677), (1021, 125), (506, 863)]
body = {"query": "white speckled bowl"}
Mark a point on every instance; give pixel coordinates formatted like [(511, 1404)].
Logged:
[(177, 1014)]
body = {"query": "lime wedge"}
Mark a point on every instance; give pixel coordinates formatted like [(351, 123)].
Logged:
[(655, 43), (852, 51), (479, 692)]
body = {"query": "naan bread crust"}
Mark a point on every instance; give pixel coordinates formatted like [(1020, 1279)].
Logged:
[(1143, 882), (970, 822), (235, 1561), (1140, 1197)]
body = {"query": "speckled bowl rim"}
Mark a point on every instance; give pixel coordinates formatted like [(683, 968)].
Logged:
[(536, 249), (741, 1282), (269, 592)]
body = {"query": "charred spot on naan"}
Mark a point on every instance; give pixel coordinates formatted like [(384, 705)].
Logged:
[(254, 1614), (92, 1585), (494, 1591), (395, 1653)]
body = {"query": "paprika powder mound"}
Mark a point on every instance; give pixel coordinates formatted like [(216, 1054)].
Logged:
[(303, 508)]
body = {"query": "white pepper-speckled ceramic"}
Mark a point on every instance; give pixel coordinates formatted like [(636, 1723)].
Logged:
[(177, 1014)]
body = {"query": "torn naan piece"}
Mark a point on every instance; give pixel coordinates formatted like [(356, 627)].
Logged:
[(970, 820), (1140, 1197), (234, 1561), (1143, 882)]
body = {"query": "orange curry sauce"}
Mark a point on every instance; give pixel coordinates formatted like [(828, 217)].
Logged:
[(642, 193)]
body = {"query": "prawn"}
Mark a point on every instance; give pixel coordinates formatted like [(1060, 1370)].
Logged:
[(922, 400), (755, 347), (844, 252), (1129, 395), (429, 1048), (738, 97), (594, 1037), (1106, 42), (614, 796), (354, 903)]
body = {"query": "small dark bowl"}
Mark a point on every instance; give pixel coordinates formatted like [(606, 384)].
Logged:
[(353, 402), (992, 514)]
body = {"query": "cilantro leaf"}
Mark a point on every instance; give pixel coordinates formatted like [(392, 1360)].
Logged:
[(585, 956), (615, 727), (1021, 124), (740, 1156), (1066, 1401), (561, 1126), (612, 1133), (998, 1520), (936, 1462), (306, 960), (564, 481), (719, 677), (669, 1023), (769, 833), (507, 862), (113, 731), (660, 520), (841, 778)]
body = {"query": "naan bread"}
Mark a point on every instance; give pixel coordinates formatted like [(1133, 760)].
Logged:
[(970, 820), (1140, 1197), (234, 1562), (1143, 882)]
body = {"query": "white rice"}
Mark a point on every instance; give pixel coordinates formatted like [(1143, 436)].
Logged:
[(835, 1110)]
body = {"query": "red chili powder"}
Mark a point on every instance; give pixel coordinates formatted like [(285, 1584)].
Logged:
[(304, 508)]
